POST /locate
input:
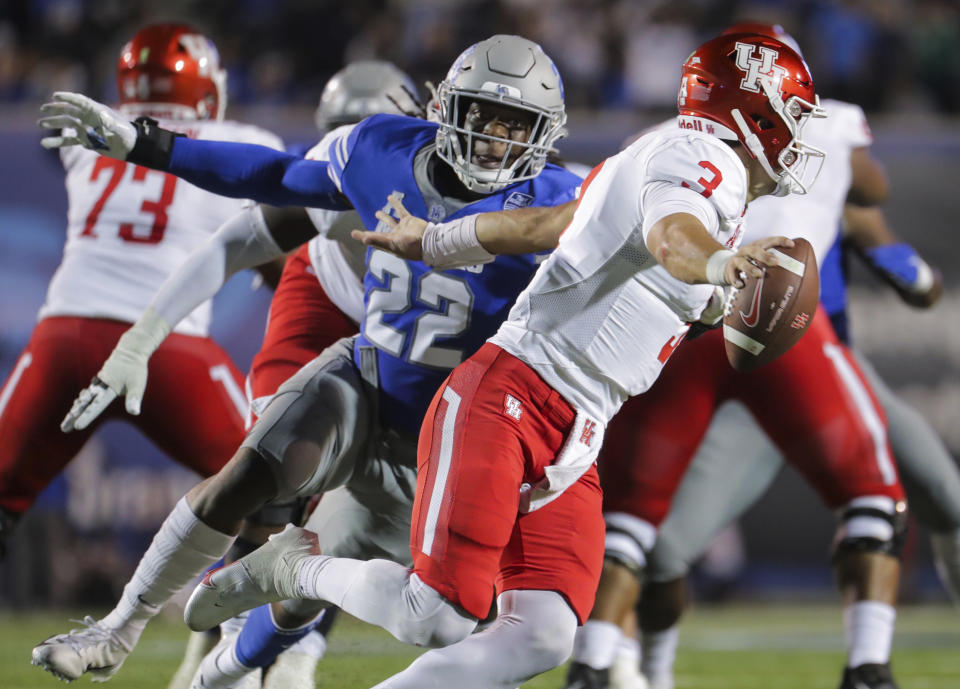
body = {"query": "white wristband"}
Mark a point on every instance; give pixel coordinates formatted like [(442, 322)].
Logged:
[(454, 244), (717, 266)]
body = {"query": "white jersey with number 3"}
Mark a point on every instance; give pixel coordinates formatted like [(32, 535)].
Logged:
[(601, 315), (129, 228)]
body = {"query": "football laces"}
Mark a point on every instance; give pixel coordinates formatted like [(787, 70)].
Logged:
[(732, 296)]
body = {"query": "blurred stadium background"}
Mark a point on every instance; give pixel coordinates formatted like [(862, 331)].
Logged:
[(619, 60)]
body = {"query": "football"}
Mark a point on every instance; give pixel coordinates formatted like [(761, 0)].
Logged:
[(769, 314)]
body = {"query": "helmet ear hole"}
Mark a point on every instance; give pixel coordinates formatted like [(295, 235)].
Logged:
[(763, 123)]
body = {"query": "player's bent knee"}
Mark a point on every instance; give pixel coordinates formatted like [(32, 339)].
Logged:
[(421, 615), (628, 540), (871, 524), (545, 624)]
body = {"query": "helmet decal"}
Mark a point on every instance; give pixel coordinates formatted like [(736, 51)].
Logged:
[(755, 68)]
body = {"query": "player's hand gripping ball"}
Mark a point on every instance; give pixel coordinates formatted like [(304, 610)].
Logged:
[(769, 314)]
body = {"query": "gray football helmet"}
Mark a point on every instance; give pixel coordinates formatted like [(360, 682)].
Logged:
[(508, 71), (366, 88)]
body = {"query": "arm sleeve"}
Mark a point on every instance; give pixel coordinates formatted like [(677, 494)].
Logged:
[(242, 242), (255, 172), (660, 199)]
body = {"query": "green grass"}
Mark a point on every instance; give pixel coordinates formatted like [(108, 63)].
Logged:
[(736, 647)]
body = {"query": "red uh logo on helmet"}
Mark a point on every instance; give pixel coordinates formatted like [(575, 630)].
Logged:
[(764, 66)]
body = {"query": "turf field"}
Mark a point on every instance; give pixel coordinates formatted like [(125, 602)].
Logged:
[(739, 647)]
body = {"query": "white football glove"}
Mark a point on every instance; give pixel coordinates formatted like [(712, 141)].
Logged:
[(87, 123), (123, 373)]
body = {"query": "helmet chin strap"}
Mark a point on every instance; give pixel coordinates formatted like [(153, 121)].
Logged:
[(752, 142)]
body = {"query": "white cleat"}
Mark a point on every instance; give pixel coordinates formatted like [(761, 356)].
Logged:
[(96, 650), (292, 670), (198, 645), (220, 669), (266, 575), (625, 674)]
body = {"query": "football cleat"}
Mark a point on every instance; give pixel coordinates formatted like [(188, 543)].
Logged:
[(216, 671), (625, 674), (198, 646), (868, 676), (292, 669), (266, 575), (96, 650), (582, 676)]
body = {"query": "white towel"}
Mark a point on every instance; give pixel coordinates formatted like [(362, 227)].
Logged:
[(578, 454)]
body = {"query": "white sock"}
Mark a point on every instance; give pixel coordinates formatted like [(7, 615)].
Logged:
[(869, 631), (386, 594), (629, 648), (182, 548), (659, 651), (596, 644), (227, 663), (532, 634), (946, 554)]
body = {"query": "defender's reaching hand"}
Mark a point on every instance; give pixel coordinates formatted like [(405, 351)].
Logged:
[(87, 123), (405, 236)]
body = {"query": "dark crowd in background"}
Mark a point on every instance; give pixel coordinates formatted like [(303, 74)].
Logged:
[(617, 54)]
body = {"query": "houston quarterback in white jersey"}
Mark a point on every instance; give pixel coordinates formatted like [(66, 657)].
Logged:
[(813, 402), (128, 229), (505, 460), (736, 462)]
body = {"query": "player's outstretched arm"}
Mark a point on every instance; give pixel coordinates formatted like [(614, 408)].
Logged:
[(895, 262), (244, 241), (682, 245), (470, 240), (230, 169)]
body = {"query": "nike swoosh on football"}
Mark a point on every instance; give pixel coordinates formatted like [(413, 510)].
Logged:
[(750, 319)]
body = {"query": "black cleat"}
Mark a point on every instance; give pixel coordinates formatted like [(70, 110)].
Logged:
[(582, 676), (868, 676)]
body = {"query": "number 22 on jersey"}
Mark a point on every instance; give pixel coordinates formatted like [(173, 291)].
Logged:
[(156, 207), (434, 290)]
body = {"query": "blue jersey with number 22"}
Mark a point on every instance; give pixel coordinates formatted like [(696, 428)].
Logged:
[(423, 322)]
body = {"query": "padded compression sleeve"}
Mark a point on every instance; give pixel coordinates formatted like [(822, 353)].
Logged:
[(248, 171), (242, 242)]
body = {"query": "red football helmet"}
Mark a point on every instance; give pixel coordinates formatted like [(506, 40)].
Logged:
[(171, 70), (755, 89)]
